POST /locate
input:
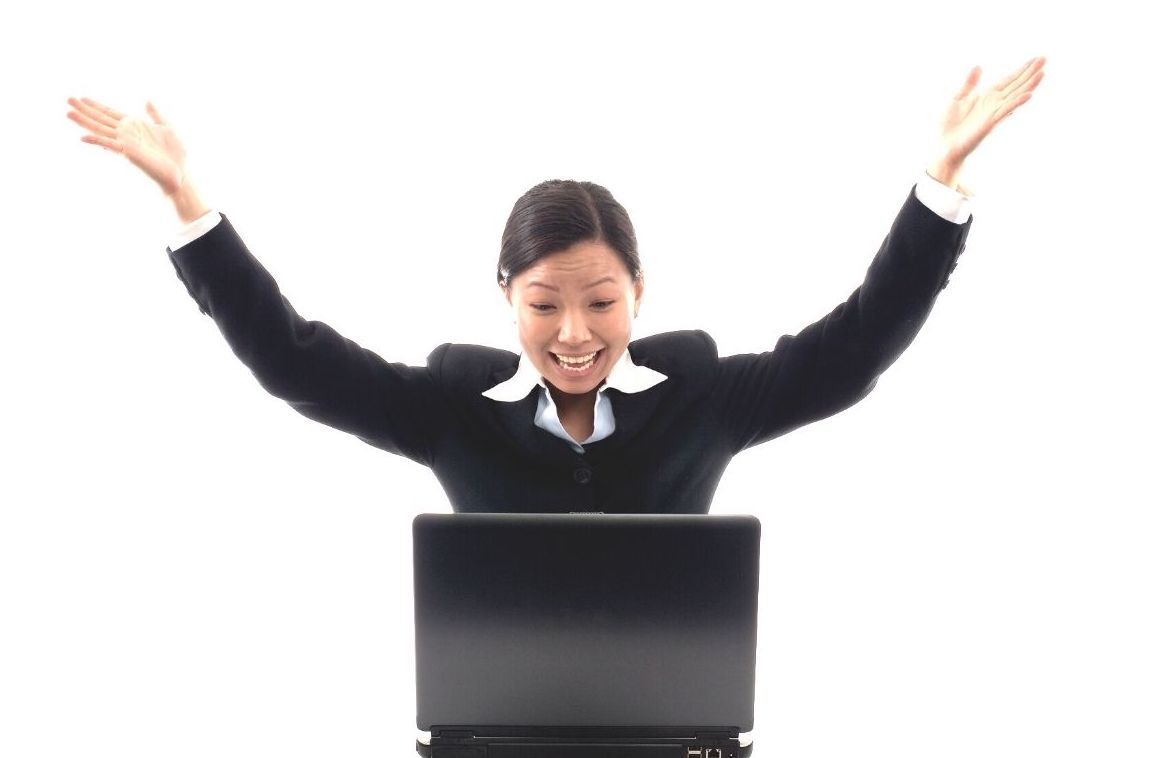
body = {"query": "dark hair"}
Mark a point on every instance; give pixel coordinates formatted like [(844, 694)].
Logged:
[(559, 213)]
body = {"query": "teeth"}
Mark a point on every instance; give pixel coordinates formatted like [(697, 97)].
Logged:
[(578, 361)]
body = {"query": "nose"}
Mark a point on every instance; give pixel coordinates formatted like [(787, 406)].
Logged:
[(573, 330)]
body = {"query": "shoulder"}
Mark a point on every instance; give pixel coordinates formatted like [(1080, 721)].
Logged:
[(689, 353), (674, 348), (470, 368)]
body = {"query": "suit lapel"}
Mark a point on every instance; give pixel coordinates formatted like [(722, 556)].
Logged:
[(517, 420), (632, 410)]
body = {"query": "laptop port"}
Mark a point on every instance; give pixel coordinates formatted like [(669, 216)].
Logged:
[(694, 752), (714, 752)]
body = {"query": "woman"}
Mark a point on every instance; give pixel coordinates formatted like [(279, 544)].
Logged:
[(584, 419)]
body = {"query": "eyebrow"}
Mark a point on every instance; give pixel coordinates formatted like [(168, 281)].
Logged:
[(592, 285)]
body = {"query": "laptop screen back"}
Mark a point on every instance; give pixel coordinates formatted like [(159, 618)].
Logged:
[(548, 620)]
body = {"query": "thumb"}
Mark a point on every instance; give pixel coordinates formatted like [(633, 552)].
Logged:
[(969, 84), (152, 109)]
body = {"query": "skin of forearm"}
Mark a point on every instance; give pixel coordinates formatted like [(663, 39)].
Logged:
[(187, 203), (946, 171)]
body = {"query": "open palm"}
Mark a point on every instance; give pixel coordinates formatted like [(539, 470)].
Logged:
[(151, 145), (971, 116)]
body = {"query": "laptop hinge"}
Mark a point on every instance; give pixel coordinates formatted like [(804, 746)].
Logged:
[(453, 734)]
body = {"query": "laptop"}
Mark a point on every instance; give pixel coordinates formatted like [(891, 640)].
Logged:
[(585, 635)]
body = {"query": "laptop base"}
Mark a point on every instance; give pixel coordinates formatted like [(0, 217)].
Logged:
[(505, 747)]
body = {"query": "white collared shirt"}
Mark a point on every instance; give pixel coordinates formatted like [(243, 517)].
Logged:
[(626, 376)]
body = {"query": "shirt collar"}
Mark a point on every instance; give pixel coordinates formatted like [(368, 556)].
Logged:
[(626, 376)]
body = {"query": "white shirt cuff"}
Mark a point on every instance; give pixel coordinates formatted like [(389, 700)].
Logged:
[(195, 229), (947, 203)]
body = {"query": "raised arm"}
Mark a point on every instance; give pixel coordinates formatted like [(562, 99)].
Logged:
[(833, 363), (318, 372)]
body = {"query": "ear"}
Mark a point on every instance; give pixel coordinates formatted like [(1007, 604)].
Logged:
[(505, 288), (638, 287)]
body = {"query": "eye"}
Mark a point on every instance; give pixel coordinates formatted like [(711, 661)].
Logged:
[(541, 307), (602, 305)]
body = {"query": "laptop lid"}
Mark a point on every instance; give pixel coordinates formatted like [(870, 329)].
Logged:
[(600, 625)]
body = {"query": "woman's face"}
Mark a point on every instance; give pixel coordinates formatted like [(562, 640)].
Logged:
[(574, 312)]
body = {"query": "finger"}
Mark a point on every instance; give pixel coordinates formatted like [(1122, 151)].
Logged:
[(1024, 79), (152, 109), (108, 144), (110, 112), (1010, 78), (1034, 82), (1025, 87), (1013, 81), (92, 113), (93, 126), (1010, 106), (969, 84)]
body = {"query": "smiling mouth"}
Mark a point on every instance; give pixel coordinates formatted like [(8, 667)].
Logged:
[(576, 364)]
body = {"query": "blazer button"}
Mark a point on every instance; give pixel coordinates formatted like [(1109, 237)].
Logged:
[(583, 475)]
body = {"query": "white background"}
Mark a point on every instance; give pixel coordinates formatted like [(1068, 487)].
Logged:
[(959, 565)]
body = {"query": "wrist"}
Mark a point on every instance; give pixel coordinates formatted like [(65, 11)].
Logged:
[(945, 171), (187, 203)]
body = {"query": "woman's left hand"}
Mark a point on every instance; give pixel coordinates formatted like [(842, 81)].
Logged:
[(971, 116)]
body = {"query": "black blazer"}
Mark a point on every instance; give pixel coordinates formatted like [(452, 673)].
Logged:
[(671, 442)]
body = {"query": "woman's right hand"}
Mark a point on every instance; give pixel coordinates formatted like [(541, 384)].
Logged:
[(153, 146)]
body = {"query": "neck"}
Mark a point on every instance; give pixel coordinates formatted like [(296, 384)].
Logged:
[(576, 412), (567, 402)]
